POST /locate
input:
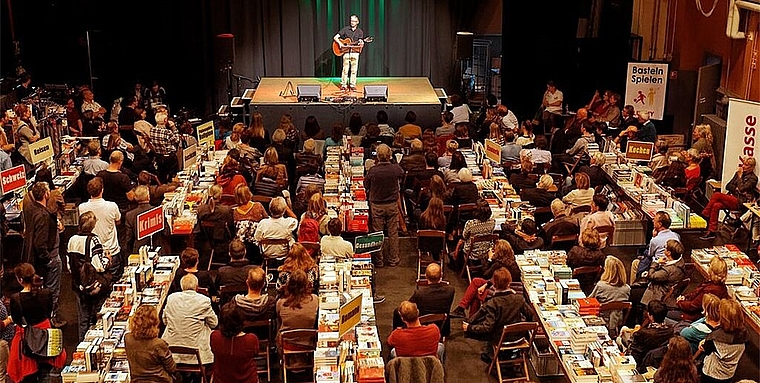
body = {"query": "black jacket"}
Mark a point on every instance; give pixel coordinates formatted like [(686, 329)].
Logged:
[(649, 338), (562, 225), (462, 192), (130, 220), (537, 197), (413, 162), (521, 181), (581, 256), (40, 234), (519, 245), (596, 175), (504, 308), (235, 273), (435, 299), (743, 188)]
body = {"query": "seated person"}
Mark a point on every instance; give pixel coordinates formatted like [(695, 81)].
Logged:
[(298, 259), (504, 308), (523, 180), (524, 238), (457, 163), (464, 191), (539, 155), (724, 347), (579, 150), (481, 223), (540, 195), (599, 217), (526, 135), (612, 287), (189, 265), (234, 350), (272, 168), (690, 304), (452, 146), (656, 334), (410, 130), (596, 174), (629, 134), (692, 171), (433, 218), (414, 339), (298, 308), (189, 318), (434, 298), (446, 128), (236, 272), (278, 226), (415, 160), (308, 161), (257, 304), (561, 224), (510, 152), (664, 274), (660, 160), (418, 179), (462, 134), (588, 254), (700, 328), (333, 245), (583, 194), (674, 175), (479, 290), (215, 212), (656, 249)]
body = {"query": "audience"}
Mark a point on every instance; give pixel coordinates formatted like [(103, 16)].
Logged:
[(234, 351), (257, 304), (588, 254), (597, 176), (654, 335), (273, 169), (215, 212), (317, 211), (336, 137), (690, 304), (108, 217), (93, 164), (236, 272), (540, 195), (382, 186), (599, 217), (452, 146), (446, 128), (692, 171), (583, 194), (414, 339), (464, 191), (456, 164), (677, 365), (148, 355), (298, 259), (500, 256), (481, 223), (189, 265), (189, 318), (664, 274), (433, 218), (435, 297), (311, 130), (278, 226), (612, 287), (700, 328), (116, 185), (415, 160), (741, 188), (131, 243), (523, 179), (656, 249), (298, 308), (561, 224), (725, 345), (333, 245), (524, 238), (410, 130), (510, 152)]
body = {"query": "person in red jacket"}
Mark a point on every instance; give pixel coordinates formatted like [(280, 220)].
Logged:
[(415, 339), (690, 304)]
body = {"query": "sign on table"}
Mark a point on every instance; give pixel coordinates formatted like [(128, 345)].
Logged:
[(639, 150), (41, 150), (369, 243), (350, 314), (206, 134), (150, 222), (12, 179)]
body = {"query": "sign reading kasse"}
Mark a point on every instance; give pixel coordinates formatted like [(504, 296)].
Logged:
[(12, 179), (150, 222)]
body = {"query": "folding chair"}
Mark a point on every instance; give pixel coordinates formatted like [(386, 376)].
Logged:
[(436, 319), (470, 267), (677, 289), (464, 214), (563, 242), (624, 307), (587, 276), (263, 330), (571, 166), (313, 248), (430, 244), (208, 227), (273, 262), (188, 367), (297, 347), (521, 346), (227, 292)]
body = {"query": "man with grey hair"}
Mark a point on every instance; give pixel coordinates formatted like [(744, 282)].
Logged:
[(165, 141), (561, 224), (189, 318), (382, 185), (280, 225), (464, 191), (142, 197), (647, 131)]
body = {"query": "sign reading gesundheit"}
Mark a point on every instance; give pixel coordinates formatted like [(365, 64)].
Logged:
[(12, 179), (41, 150), (742, 128), (350, 314), (150, 222), (639, 150), (646, 84), (206, 134), (369, 243)]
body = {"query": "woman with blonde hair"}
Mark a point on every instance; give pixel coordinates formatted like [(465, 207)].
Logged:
[(298, 259), (317, 209), (583, 194), (698, 330), (272, 168), (236, 138), (692, 170), (246, 216), (149, 357), (723, 348), (677, 365), (612, 287), (258, 137), (500, 255), (539, 196), (588, 254), (214, 211), (690, 304), (703, 142)]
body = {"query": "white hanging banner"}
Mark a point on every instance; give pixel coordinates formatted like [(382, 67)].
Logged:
[(742, 138), (646, 84)]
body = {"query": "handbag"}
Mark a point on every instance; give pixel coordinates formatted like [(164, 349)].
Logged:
[(41, 343)]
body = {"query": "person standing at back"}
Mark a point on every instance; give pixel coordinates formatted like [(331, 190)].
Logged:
[(382, 185)]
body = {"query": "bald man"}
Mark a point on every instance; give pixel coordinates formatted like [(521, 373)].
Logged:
[(435, 298)]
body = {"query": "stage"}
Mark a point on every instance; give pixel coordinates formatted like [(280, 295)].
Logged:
[(404, 94)]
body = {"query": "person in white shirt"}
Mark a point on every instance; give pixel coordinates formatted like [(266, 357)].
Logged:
[(508, 119), (599, 217), (334, 245), (94, 164), (107, 214), (552, 105), (89, 104), (277, 227), (446, 128), (189, 318), (460, 110)]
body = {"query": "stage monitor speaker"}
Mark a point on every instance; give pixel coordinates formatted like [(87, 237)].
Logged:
[(224, 48), (309, 92), (377, 93), (464, 45)]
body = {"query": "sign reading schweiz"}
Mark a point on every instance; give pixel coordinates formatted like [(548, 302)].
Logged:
[(12, 179)]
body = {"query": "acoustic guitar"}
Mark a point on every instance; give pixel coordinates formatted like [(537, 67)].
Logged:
[(347, 45)]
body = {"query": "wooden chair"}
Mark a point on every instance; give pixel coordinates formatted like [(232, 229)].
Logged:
[(227, 292), (521, 346), (228, 200), (208, 227), (190, 367), (470, 267), (262, 199), (297, 344), (436, 319), (587, 276), (464, 213), (563, 242), (263, 330), (677, 289), (571, 166), (430, 244), (273, 262), (609, 230), (624, 307), (313, 248), (202, 290), (580, 209)]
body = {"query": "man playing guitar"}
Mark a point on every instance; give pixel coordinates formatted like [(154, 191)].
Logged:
[(351, 51)]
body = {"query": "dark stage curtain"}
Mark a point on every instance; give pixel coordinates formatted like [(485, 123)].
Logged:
[(293, 38)]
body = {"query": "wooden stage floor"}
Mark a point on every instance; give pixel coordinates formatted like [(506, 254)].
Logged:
[(407, 90), (404, 94)]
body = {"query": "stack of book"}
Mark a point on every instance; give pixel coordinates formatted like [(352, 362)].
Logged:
[(562, 271), (583, 371), (587, 306)]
